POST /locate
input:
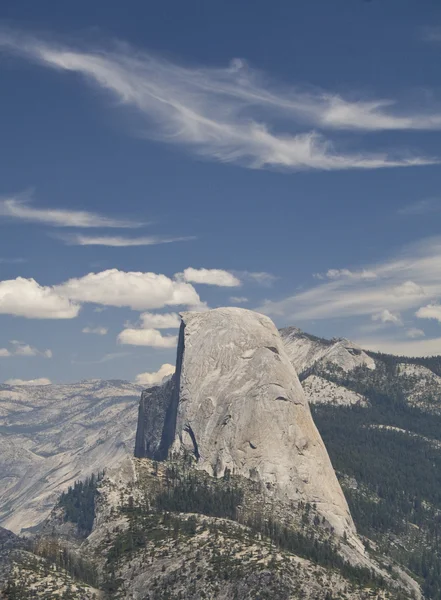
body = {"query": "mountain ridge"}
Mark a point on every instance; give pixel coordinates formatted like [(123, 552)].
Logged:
[(151, 516), (24, 448)]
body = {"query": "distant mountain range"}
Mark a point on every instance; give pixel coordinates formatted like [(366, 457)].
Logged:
[(307, 351), (52, 435), (379, 416)]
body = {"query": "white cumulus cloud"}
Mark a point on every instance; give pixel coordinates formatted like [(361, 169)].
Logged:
[(148, 334), (431, 311), (135, 290), (160, 320), (27, 298), (147, 337), (408, 288), (23, 349), (209, 276), (155, 378), (95, 330), (40, 381), (386, 316)]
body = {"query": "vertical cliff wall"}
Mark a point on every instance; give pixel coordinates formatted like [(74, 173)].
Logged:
[(236, 403)]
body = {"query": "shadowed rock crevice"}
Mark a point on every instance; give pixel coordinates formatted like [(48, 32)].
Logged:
[(169, 426), (190, 432), (157, 413), (272, 349)]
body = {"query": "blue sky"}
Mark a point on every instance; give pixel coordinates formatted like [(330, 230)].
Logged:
[(160, 157)]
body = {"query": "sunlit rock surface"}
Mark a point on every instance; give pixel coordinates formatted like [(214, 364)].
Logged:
[(236, 403), (306, 351)]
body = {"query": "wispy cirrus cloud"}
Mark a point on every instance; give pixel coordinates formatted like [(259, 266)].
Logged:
[(431, 34), (103, 359), (402, 347), (346, 274), (120, 241), (239, 299), (421, 207), (405, 287), (260, 277), (232, 114), (407, 281), (12, 261), (414, 332), (21, 208)]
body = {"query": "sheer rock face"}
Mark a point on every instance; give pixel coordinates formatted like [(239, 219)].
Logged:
[(151, 436), (237, 404)]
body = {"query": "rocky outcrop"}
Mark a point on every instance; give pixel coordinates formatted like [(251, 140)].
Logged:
[(306, 351), (192, 554), (319, 390), (9, 543), (236, 403)]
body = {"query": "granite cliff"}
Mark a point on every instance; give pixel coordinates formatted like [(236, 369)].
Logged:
[(235, 405)]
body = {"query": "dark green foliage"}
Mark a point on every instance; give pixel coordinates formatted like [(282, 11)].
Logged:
[(51, 554), (79, 503), (318, 551), (398, 474), (430, 362), (403, 471), (14, 590), (192, 494), (56, 554), (148, 527)]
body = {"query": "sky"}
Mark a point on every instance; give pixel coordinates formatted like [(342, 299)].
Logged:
[(157, 157)]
